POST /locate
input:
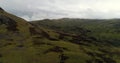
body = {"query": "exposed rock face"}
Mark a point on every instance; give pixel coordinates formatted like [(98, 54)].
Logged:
[(11, 24)]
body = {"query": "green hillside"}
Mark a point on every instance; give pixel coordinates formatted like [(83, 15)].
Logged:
[(107, 30), (24, 42)]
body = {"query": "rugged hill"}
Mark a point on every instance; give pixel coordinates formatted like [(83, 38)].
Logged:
[(107, 30), (24, 42)]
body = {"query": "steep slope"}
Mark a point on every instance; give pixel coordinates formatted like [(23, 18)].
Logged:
[(23, 42), (15, 39)]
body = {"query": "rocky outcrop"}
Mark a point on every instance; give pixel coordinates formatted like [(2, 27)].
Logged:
[(10, 23), (1, 9)]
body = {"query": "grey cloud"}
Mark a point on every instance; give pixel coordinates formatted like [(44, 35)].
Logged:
[(42, 9)]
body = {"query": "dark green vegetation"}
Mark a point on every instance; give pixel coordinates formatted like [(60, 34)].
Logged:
[(24, 42)]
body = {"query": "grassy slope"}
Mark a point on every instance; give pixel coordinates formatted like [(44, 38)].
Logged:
[(85, 51), (28, 43), (107, 30)]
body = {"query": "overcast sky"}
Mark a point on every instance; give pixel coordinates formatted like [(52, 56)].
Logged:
[(44, 9)]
